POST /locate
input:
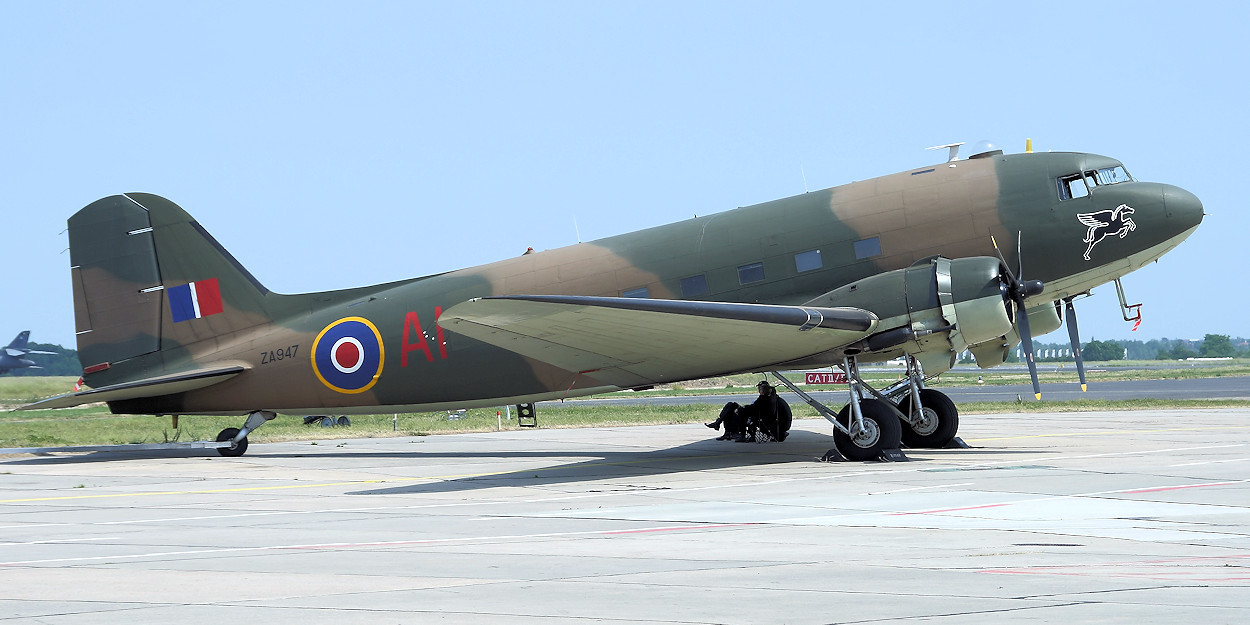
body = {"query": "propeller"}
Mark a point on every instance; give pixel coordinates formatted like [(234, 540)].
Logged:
[(1075, 336), (1018, 289)]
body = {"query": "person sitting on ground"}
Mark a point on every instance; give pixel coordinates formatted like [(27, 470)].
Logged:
[(735, 425), (769, 413)]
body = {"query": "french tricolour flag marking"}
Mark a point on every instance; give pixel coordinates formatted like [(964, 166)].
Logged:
[(194, 300)]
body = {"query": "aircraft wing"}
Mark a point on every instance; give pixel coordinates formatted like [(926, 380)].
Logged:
[(151, 387), (630, 342)]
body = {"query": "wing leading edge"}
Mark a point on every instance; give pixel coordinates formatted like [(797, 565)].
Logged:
[(629, 342)]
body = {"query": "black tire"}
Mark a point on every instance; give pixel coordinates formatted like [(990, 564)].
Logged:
[(882, 431), (231, 452), (942, 420), (344, 422), (327, 422)]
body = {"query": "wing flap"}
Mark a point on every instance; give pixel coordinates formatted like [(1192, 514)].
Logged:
[(630, 342), (150, 387)]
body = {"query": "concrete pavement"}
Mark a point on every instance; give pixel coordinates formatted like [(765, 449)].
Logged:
[(1110, 517)]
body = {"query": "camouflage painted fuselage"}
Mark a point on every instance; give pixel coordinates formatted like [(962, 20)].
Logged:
[(792, 251)]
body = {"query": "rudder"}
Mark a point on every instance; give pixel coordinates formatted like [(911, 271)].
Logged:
[(148, 278)]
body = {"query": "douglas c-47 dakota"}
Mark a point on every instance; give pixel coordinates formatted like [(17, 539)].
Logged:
[(906, 265)]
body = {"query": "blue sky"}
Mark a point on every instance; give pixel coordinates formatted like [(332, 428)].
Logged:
[(330, 145)]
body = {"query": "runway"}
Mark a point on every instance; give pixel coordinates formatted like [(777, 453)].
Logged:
[(1234, 387), (1110, 517)]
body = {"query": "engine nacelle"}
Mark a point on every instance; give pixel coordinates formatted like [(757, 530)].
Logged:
[(1043, 320), (934, 309)]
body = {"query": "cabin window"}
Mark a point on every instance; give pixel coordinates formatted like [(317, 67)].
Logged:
[(807, 261), (753, 272), (693, 286), (640, 292), (867, 248), (1072, 187)]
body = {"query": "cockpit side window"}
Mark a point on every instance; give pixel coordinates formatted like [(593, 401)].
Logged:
[(1072, 187)]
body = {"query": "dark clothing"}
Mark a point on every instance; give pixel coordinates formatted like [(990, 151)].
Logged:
[(735, 422), (769, 414)]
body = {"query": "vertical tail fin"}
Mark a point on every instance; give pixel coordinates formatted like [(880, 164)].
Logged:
[(148, 278), (19, 342)]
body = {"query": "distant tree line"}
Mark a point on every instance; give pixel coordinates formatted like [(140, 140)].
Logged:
[(63, 362), (1210, 346)]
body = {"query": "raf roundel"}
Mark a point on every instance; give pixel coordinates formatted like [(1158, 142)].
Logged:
[(348, 355)]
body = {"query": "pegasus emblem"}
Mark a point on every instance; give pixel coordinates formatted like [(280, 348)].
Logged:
[(1103, 224)]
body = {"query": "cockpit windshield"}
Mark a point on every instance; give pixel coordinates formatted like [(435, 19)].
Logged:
[(1111, 175), (1079, 184)]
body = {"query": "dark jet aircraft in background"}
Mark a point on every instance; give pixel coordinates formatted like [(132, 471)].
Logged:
[(905, 265), (15, 355)]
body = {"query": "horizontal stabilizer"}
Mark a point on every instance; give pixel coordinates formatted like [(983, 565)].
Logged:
[(634, 341), (151, 387), (14, 352)]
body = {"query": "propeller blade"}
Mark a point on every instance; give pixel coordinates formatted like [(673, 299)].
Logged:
[(1026, 341), (1075, 336), (1020, 255), (1020, 289), (1010, 275)]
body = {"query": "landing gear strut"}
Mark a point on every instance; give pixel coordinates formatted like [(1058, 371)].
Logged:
[(873, 428), (929, 417), (865, 429), (238, 437)]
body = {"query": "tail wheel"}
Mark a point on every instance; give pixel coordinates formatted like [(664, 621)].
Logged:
[(939, 420), (238, 449), (882, 430)]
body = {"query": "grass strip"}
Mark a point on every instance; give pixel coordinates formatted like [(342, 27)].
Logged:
[(96, 426)]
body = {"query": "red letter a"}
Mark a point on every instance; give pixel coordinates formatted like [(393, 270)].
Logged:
[(411, 320)]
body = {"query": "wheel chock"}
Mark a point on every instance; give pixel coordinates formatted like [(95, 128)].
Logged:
[(957, 443), (833, 455), (892, 455)]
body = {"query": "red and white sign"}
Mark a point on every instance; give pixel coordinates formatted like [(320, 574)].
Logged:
[(835, 377)]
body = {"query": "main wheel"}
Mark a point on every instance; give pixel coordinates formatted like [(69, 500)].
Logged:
[(239, 447), (939, 420), (882, 430)]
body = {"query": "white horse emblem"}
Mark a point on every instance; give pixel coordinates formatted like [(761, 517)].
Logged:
[(1103, 224)]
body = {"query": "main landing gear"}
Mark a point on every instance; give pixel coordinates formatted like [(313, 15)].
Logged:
[(237, 438), (873, 428)]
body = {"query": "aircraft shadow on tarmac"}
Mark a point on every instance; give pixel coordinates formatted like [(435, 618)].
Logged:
[(708, 454), (800, 447), (702, 455)]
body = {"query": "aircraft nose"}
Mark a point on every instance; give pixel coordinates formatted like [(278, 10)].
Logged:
[(1182, 205)]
